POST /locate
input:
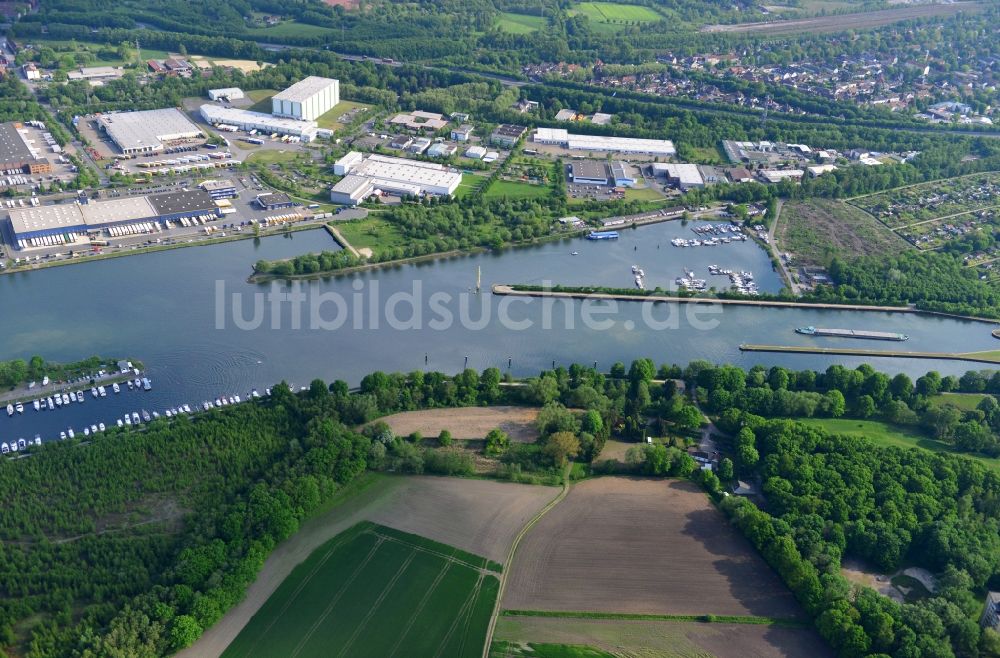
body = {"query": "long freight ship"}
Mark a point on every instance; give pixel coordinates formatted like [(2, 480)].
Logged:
[(851, 333)]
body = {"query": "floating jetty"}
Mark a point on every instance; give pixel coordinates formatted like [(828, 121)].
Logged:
[(603, 235), (852, 333)]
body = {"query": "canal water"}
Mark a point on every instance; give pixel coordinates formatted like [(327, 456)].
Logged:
[(174, 311)]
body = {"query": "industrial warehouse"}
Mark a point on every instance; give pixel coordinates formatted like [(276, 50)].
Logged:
[(293, 111), (16, 153), (148, 131), (307, 100), (223, 117), (42, 226), (364, 175), (559, 137)]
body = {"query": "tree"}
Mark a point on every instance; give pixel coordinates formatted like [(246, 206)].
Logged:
[(562, 446), (726, 469), (497, 442), (866, 406), (184, 631), (444, 438), (688, 417)]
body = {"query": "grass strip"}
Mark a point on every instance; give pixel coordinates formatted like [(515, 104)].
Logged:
[(707, 618)]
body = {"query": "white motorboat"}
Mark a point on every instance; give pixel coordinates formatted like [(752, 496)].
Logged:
[(101, 426), (116, 388), (71, 433), (120, 423), (19, 408), (10, 410)]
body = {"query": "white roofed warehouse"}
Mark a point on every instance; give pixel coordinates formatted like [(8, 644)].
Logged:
[(266, 123), (559, 137), (147, 131), (363, 175), (308, 99)]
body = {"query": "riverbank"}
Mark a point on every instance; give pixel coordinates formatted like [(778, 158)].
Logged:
[(640, 296), (208, 241), (976, 357), (82, 382)]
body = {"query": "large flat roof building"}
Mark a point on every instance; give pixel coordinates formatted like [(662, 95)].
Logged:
[(590, 172), (419, 120), (308, 99), (15, 151), (43, 221), (147, 130), (394, 175), (685, 176), (266, 123), (227, 93), (560, 137)]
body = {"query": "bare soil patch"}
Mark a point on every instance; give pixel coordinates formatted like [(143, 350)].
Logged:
[(479, 516), (631, 545), (666, 639), (468, 422), (845, 22), (346, 4), (817, 230)]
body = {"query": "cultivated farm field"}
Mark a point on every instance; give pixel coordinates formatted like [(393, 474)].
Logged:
[(627, 545), (632, 638), (375, 591), (467, 422)]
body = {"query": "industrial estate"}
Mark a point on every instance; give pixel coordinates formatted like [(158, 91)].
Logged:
[(500, 329)]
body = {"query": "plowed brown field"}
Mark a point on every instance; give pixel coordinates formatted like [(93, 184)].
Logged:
[(642, 546), (467, 422)]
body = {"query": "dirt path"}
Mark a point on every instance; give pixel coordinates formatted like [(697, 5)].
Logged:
[(772, 246)]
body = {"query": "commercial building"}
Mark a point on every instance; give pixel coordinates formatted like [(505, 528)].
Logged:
[(507, 134), (475, 152), (566, 114), (682, 176), (226, 93), (265, 123), (462, 134), (363, 175), (441, 150), (17, 153), (559, 137), (219, 188), (589, 173), (147, 131), (620, 176), (69, 219), (274, 201), (778, 175), (95, 73), (419, 120), (307, 100), (819, 170)]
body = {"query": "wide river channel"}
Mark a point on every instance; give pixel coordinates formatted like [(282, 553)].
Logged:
[(174, 310)]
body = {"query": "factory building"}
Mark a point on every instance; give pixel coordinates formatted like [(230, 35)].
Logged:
[(560, 137), (62, 223), (137, 133), (265, 123), (620, 175), (682, 176), (308, 99), (17, 154), (364, 175), (507, 134), (589, 172), (226, 93)]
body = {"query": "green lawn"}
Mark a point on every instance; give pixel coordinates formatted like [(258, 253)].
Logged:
[(261, 99), (289, 29), (469, 185), (272, 156), (963, 401), (375, 591), (371, 232), (891, 435), (329, 120), (515, 190), (613, 12), (642, 194), (520, 23)]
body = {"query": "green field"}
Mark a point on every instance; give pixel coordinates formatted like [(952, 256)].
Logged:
[(329, 120), (891, 435), (515, 190), (261, 99), (273, 156), (371, 232), (533, 650), (520, 23), (289, 29), (613, 12), (375, 591), (963, 401)]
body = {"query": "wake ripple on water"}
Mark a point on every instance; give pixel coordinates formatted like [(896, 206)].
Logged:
[(206, 367)]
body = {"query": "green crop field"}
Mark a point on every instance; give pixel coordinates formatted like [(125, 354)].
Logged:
[(520, 23), (613, 12), (375, 591)]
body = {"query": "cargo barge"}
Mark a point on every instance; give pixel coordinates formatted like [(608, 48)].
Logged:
[(852, 333)]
